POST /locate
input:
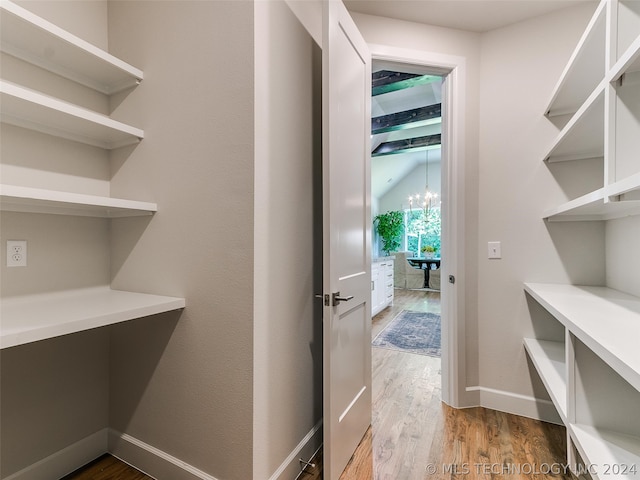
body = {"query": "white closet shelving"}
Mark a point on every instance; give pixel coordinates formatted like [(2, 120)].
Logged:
[(596, 317), (37, 317), (40, 42), (32, 39), (33, 110), (585, 68), (592, 373), (36, 200)]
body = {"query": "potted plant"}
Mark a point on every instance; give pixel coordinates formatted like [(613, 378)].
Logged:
[(390, 227), (428, 251)]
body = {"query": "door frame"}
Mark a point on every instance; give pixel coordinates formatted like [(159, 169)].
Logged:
[(453, 68)]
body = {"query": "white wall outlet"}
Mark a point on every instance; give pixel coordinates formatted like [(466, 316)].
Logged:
[(494, 250), (16, 253)]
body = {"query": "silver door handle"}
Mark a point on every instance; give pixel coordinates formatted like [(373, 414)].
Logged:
[(337, 298)]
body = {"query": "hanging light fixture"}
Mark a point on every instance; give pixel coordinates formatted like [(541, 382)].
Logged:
[(427, 201)]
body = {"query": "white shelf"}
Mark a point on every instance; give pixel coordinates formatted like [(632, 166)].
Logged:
[(595, 206), (583, 136), (30, 109), (585, 69), (607, 452), (31, 318), (586, 207), (35, 200), (629, 61), (549, 359), (39, 42), (605, 320)]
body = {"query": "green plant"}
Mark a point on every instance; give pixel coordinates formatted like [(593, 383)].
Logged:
[(390, 227), (428, 249)]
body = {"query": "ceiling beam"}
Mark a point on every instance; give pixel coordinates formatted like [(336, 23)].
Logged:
[(386, 81), (417, 144), (416, 117)]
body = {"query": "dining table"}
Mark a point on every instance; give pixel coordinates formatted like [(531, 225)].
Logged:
[(425, 264)]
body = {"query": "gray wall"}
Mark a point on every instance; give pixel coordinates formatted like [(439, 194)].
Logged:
[(288, 240), (520, 67), (185, 386)]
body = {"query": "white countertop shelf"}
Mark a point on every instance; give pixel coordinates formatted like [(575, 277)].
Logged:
[(610, 454), (30, 109), (583, 136), (31, 318), (549, 359), (605, 320), (585, 69), (39, 42), (35, 200)]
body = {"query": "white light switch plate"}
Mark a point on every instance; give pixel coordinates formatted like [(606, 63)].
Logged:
[(494, 250)]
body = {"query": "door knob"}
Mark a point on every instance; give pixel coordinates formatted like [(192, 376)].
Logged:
[(337, 298)]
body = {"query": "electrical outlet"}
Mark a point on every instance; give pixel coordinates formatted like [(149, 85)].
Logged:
[(16, 253)]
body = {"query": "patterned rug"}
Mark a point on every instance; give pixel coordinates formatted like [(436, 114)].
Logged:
[(413, 332)]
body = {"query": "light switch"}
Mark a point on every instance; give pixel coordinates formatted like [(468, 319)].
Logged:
[(494, 250)]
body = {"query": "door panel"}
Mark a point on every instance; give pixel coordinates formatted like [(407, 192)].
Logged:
[(347, 235)]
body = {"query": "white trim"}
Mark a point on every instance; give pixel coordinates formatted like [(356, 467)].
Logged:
[(67, 460), (453, 200), (296, 453), (151, 460), (517, 404)]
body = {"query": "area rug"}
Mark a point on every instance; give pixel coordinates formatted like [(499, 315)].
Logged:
[(413, 332)]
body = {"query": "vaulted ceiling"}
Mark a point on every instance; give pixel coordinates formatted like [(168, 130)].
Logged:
[(405, 125)]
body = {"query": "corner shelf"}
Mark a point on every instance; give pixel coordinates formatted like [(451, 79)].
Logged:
[(596, 206), (629, 61), (583, 136), (30, 318), (607, 450), (35, 200), (596, 316), (33, 110), (584, 70), (549, 359), (31, 38)]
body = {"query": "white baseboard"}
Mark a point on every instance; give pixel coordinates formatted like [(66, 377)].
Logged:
[(66, 460), (290, 467), (151, 460), (517, 404)]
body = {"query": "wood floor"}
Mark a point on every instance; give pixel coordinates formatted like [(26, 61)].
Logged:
[(415, 436), (107, 467)]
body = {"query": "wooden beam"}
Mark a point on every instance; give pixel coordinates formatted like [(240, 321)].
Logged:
[(386, 81), (416, 144), (416, 117)]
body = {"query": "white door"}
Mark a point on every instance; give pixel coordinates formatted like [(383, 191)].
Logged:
[(346, 91)]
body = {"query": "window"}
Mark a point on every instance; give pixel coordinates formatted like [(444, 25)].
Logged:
[(421, 231)]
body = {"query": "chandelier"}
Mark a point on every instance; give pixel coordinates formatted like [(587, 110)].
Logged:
[(426, 202)]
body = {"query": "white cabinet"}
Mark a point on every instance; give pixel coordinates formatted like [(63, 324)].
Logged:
[(381, 285), (42, 44), (586, 350)]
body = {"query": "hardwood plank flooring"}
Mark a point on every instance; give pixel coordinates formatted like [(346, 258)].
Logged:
[(107, 467)]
